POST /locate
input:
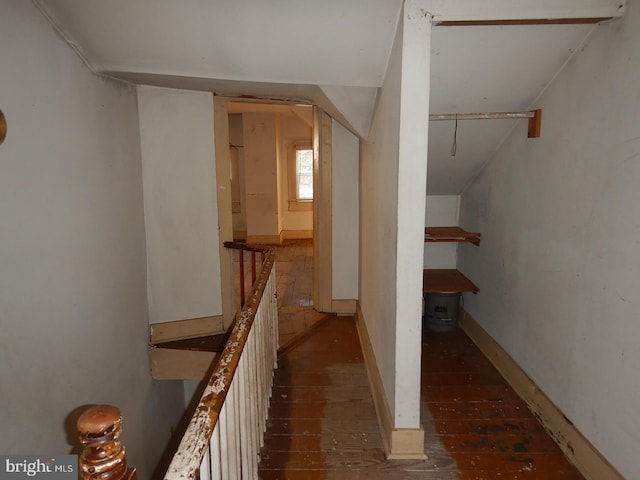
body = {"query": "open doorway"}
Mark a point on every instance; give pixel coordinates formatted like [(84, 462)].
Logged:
[(266, 204), (272, 170), (271, 154)]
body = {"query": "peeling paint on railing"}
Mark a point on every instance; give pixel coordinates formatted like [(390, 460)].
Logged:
[(194, 446)]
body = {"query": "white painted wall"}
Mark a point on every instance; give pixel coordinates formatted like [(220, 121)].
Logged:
[(345, 204), (441, 211), (378, 211), (180, 203), (261, 179), (292, 131), (73, 305), (392, 218), (559, 266)]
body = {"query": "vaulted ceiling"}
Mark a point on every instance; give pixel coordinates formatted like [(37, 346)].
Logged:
[(334, 53)]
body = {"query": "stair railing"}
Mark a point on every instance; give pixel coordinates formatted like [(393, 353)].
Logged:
[(246, 276), (226, 432)]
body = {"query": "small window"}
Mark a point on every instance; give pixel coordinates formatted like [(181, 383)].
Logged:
[(300, 176), (304, 175)]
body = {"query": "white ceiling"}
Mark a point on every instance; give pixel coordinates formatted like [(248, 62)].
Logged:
[(487, 69), (333, 53)]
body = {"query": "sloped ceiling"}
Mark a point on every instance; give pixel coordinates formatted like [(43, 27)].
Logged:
[(323, 51), (488, 69), (333, 53)]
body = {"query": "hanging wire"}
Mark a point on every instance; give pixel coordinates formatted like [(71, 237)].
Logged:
[(454, 145)]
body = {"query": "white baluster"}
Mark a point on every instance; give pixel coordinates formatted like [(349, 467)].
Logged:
[(236, 423), (214, 454), (205, 466), (260, 376), (245, 431), (230, 432), (253, 397), (224, 442)]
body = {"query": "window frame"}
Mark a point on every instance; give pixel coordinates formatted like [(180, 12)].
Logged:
[(293, 202)]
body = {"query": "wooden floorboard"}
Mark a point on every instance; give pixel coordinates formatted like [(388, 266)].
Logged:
[(487, 429), (322, 422)]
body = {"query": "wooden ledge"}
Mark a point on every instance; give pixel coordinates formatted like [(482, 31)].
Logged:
[(446, 281), (450, 234)]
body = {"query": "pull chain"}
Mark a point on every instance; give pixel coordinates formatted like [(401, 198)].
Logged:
[(454, 145)]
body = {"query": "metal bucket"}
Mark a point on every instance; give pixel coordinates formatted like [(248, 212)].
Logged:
[(442, 311)]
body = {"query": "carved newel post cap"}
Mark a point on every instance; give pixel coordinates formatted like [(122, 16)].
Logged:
[(103, 457), (98, 420)]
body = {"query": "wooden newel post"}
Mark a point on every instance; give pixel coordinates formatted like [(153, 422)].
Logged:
[(103, 457)]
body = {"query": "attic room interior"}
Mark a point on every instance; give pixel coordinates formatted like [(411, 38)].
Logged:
[(119, 142)]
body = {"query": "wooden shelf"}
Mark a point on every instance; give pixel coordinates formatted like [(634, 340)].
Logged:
[(446, 281), (450, 234)]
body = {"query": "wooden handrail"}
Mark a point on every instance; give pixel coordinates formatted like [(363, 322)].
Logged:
[(195, 444), (103, 456), (227, 428), (253, 249), (250, 247)]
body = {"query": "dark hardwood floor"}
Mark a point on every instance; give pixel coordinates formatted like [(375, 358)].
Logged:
[(322, 422), (481, 421)]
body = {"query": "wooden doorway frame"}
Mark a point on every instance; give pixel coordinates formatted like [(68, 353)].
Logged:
[(322, 204), (225, 218), (322, 208)]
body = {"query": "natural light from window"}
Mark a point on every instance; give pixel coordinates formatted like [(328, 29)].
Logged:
[(304, 175)]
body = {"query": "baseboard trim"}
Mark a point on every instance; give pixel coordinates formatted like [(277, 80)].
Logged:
[(398, 443), (189, 328), (407, 444), (575, 446), (343, 307), (383, 412), (296, 234)]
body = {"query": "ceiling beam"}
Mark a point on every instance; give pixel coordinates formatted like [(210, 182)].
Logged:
[(524, 12)]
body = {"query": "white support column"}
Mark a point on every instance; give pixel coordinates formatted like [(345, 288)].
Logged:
[(408, 437)]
